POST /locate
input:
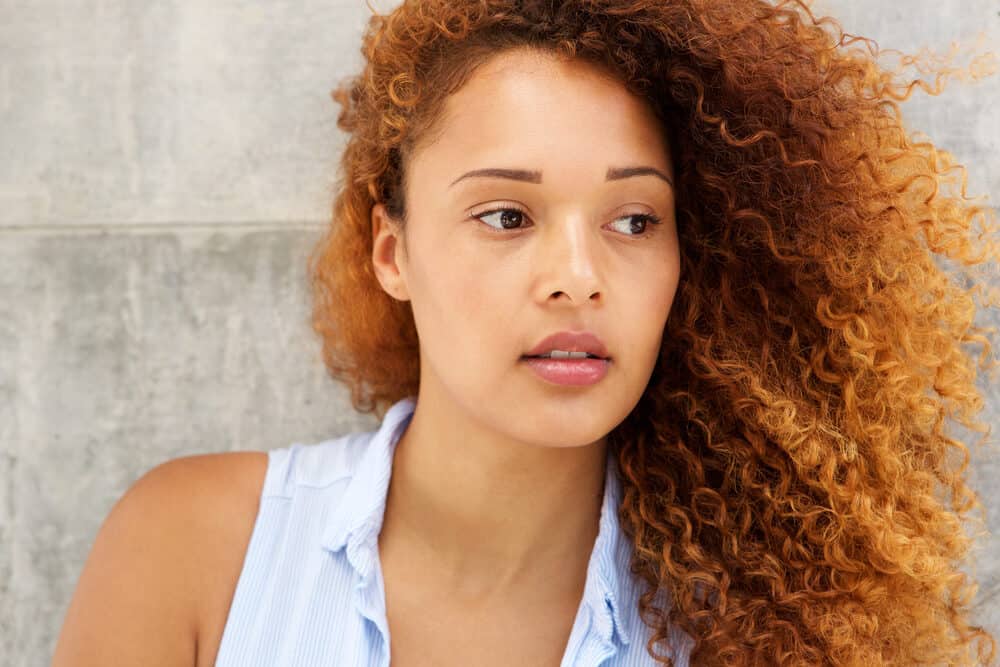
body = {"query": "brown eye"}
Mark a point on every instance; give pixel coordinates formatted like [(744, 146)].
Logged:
[(507, 218), (641, 220), (511, 218)]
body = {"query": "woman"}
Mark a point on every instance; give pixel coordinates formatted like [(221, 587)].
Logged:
[(698, 212)]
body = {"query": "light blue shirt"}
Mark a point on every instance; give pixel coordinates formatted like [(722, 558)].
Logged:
[(311, 591)]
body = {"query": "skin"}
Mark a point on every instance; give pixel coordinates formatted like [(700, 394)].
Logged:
[(159, 580), (494, 500), (497, 482)]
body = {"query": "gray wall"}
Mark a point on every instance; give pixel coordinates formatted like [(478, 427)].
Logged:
[(165, 169)]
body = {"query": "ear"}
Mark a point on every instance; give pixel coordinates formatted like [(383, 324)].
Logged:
[(388, 253)]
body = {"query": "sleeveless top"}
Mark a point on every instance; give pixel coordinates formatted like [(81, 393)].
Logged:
[(310, 591)]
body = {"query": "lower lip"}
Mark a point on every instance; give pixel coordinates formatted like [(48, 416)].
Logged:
[(574, 372)]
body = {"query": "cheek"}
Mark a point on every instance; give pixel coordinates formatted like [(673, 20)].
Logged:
[(664, 290), (463, 287), (652, 302), (468, 302)]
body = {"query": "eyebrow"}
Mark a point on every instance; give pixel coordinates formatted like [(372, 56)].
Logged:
[(528, 176)]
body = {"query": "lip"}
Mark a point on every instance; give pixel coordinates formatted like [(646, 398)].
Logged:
[(573, 372), (571, 341)]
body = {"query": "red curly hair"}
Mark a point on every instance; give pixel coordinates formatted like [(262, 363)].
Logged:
[(786, 472)]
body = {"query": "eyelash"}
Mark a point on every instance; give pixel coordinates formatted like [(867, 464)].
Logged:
[(646, 217)]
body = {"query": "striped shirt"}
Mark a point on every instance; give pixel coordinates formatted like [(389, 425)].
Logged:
[(311, 592)]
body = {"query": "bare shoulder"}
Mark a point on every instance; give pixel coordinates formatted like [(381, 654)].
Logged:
[(164, 563)]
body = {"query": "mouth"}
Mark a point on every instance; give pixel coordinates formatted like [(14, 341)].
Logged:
[(568, 370), (574, 358), (569, 344)]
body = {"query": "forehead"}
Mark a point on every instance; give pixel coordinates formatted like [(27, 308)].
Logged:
[(528, 106)]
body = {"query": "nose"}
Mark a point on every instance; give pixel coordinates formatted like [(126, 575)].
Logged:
[(570, 257)]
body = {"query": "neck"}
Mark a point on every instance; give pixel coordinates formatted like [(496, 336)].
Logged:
[(487, 515)]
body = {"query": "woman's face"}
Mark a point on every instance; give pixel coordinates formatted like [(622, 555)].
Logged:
[(579, 256)]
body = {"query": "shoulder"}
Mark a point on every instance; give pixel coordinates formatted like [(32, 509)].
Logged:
[(199, 500), (201, 482), (151, 575)]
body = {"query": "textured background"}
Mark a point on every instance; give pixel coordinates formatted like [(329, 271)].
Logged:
[(165, 168)]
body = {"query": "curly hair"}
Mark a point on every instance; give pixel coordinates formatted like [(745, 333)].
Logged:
[(787, 470)]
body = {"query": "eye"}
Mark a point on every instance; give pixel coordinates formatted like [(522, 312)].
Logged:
[(510, 217), (643, 219)]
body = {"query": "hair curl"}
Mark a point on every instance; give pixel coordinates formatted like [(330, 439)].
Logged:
[(785, 471)]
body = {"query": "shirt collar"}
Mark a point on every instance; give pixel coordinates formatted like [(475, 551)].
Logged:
[(356, 520)]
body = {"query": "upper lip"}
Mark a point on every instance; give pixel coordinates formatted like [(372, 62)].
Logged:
[(570, 341)]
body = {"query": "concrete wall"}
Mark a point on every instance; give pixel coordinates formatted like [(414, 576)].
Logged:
[(165, 168)]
